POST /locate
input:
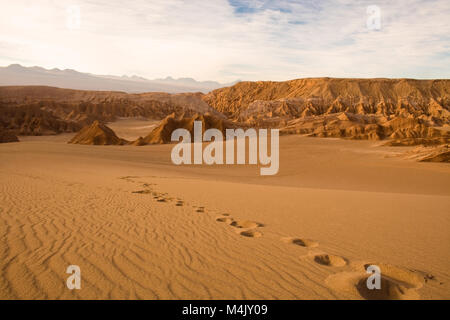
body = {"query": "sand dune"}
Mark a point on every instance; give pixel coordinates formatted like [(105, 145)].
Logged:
[(140, 227)]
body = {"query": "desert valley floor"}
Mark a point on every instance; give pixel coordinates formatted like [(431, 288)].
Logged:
[(140, 227)]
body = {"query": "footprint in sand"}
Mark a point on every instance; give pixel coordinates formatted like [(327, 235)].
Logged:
[(428, 277), (246, 224), (308, 243), (179, 203), (160, 197), (397, 283), (128, 177), (157, 195), (225, 219), (330, 260), (141, 191), (250, 226), (251, 234), (200, 209)]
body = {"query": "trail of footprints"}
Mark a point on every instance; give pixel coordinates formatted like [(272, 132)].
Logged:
[(396, 283), (244, 227)]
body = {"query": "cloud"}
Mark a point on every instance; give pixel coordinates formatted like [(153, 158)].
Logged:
[(224, 40)]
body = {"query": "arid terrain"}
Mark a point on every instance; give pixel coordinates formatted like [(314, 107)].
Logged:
[(363, 180), (140, 227)]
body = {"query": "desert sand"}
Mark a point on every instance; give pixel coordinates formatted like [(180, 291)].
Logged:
[(140, 227)]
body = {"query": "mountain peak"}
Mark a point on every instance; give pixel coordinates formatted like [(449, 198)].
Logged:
[(15, 66)]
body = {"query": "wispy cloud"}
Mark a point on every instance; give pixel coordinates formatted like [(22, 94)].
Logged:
[(224, 40)]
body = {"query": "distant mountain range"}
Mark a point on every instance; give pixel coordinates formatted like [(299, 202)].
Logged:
[(15, 74)]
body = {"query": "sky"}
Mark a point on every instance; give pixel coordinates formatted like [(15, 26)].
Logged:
[(226, 40)]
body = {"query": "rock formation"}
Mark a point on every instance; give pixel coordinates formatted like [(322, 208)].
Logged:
[(39, 110), (6, 136), (32, 119), (429, 154), (317, 96), (162, 133), (406, 110), (97, 134)]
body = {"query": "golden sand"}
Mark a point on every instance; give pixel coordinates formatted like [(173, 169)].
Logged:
[(140, 227)]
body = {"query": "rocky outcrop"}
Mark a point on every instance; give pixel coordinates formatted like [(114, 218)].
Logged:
[(6, 136), (440, 154), (367, 127), (404, 110), (162, 133), (97, 134), (428, 154), (256, 101), (33, 120)]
